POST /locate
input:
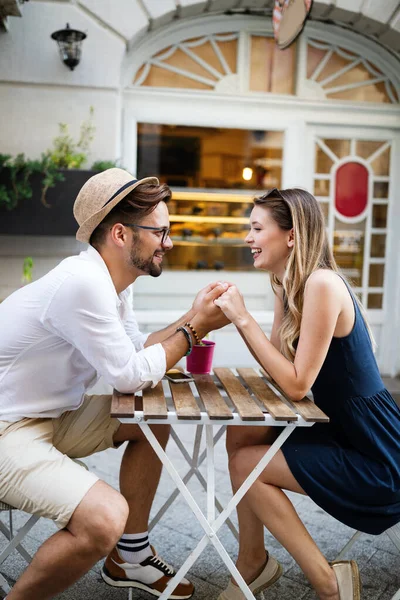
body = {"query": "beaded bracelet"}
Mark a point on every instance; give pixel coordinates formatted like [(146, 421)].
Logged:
[(195, 334), (188, 339)]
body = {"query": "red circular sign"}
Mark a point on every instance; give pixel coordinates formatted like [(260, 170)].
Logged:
[(351, 196)]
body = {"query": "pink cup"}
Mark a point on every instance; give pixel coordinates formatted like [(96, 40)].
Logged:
[(200, 359)]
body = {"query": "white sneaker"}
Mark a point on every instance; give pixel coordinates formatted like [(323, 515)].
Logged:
[(152, 575)]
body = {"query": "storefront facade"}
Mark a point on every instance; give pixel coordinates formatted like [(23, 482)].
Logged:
[(330, 105), (198, 93)]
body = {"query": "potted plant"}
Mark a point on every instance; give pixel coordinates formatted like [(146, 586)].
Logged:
[(36, 196)]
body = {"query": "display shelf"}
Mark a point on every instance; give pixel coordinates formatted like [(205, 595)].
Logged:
[(201, 242), (213, 196), (209, 227), (206, 219)]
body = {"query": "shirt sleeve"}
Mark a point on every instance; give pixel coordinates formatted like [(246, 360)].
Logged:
[(83, 312), (129, 320)]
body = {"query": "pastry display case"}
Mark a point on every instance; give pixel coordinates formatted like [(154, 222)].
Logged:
[(208, 229), (214, 174)]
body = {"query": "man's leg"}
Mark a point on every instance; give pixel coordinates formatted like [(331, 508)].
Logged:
[(91, 533), (91, 429), (140, 473), (39, 479), (132, 563)]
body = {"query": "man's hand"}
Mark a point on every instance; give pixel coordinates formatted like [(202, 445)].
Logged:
[(210, 316), (201, 296)]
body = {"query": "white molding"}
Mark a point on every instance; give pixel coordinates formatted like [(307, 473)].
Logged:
[(390, 336), (242, 62), (313, 111), (179, 31)]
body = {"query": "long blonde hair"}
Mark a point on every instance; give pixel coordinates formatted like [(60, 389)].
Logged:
[(298, 210)]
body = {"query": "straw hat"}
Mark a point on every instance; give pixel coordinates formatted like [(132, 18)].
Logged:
[(98, 197)]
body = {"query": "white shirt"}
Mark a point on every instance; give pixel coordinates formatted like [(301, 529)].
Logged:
[(59, 334)]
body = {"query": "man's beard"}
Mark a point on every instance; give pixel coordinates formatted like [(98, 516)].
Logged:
[(145, 265)]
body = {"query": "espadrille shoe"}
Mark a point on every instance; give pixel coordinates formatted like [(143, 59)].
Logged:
[(271, 573), (348, 578)]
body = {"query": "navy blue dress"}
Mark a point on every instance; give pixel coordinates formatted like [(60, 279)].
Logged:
[(350, 466)]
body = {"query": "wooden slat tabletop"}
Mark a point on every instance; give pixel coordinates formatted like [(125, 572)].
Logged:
[(305, 407), (154, 403), (240, 397), (276, 408), (214, 403), (122, 405), (188, 406), (185, 403)]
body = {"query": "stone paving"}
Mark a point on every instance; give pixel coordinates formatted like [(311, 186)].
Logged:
[(178, 532)]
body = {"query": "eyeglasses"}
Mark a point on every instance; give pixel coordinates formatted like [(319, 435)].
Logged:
[(164, 230)]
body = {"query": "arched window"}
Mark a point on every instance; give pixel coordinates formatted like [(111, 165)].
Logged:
[(339, 74), (247, 61)]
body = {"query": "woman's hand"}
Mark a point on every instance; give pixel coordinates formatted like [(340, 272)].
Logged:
[(232, 305), (203, 294)]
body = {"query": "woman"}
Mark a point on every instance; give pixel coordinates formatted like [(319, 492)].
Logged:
[(320, 341)]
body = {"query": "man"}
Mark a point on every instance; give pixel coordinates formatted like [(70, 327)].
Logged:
[(59, 334)]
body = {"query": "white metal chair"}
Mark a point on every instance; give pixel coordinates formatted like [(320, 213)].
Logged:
[(14, 540), (394, 535)]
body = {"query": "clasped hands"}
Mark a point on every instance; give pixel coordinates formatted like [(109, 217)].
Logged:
[(222, 302)]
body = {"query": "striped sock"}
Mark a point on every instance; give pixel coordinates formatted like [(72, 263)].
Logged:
[(134, 548)]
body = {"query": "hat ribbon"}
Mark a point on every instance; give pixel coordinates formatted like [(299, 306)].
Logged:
[(121, 190)]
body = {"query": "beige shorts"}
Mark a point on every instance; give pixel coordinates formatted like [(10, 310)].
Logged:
[(37, 473)]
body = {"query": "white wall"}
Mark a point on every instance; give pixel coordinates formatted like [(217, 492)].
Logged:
[(28, 54), (29, 118), (37, 91)]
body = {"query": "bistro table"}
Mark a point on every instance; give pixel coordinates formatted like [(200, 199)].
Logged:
[(227, 398)]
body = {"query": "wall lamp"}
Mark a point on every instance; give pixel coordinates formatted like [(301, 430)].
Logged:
[(69, 43)]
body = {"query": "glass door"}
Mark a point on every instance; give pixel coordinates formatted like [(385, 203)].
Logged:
[(352, 181), (352, 175)]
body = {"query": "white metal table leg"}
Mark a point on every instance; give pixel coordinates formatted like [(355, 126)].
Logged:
[(212, 528), (349, 544), (194, 462), (210, 474)]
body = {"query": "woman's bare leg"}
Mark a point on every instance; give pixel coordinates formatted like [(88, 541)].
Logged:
[(251, 557), (273, 508)]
